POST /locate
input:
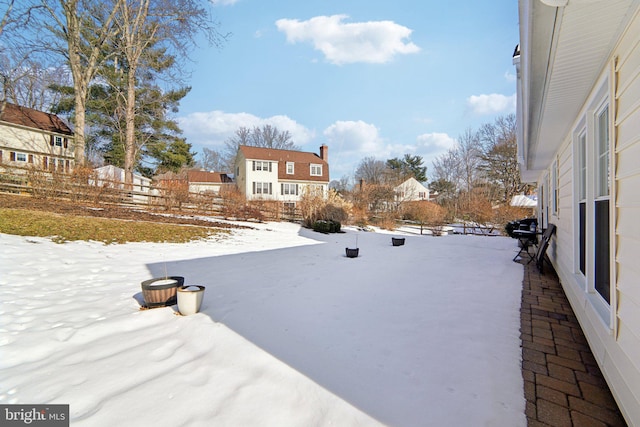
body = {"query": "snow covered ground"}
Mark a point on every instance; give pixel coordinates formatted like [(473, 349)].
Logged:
[(291, 332)]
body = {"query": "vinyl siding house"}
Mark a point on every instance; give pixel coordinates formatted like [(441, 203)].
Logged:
[(110, 176), (283, 175), (578, 111), (411, 190), (31, 138)]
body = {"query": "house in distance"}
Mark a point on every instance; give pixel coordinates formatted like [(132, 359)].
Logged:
[(282, 175)]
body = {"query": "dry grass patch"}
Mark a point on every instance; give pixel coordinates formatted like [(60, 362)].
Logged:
[(63, 228)]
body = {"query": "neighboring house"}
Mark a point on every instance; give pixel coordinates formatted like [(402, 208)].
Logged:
[(284, 175), (578, 111), (207, 182), (114, 177), (196, 181), (411, 190), (31, 138)]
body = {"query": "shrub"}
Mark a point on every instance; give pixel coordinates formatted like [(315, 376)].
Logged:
[(314, 206), (329, 226)]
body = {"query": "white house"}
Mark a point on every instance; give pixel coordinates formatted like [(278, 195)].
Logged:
[(411, 190), (114, 177), (578, 111), (284, 175), (31, 138)]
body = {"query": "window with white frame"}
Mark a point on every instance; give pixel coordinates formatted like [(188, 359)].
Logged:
[(289, 189), (58, 141), (290, 168), (316, 170), (261, 166), (554, 187), (602, 264), (581, 170), (592, 198), (262, 188), (21, 157)]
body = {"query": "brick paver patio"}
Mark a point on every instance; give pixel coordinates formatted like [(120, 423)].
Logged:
[(563, 385)]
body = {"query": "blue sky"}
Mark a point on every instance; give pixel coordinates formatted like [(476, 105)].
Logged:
[(367, 78)]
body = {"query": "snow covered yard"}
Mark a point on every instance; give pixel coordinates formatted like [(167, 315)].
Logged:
[(291, 332)]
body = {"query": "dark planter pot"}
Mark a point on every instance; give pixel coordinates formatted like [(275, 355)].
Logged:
[(397, 241), (161, 291), (352, 253)]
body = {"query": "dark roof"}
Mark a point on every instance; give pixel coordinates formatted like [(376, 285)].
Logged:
[(300, 158), (29, 117)]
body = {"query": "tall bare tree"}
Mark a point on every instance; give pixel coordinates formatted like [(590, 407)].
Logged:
[(151, 35), (371, 171), (499, 160), (82, 30)]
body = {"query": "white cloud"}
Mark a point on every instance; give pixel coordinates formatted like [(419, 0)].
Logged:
[(224, 2), (435, 143), (351, 141), (213, 128), (492, 104), (344, 43), (354, 136), (510, 77)]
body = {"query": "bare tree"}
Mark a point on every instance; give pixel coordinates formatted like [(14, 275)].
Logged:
[(267, 136), (212, 160), (470, 155), (499, 158), (146, 30), (371, 171), (83, 29)]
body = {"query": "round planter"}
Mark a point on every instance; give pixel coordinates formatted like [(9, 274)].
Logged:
[(161, 291), (352, 253), (190, 299), (397, 241)]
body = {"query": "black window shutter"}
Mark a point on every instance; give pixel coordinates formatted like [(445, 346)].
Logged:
[(254, 168), (254, 188), (12, 156), (281, 188), (269, 166), (51, 140), (270, 192)]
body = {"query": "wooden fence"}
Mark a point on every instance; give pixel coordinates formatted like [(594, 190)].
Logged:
[(171, 199)]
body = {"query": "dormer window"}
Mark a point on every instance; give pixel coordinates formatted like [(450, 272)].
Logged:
[(316, 170), (290, 168)]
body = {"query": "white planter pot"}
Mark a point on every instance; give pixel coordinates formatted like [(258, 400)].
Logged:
[(190, 299)]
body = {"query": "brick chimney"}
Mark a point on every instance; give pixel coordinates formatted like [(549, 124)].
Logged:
[(324, 153)]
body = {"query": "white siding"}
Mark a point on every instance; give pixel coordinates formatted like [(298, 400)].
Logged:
[(627, 211), (614, 340), (33, 142)]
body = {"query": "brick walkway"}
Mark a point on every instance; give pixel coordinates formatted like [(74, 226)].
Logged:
[(562, 382)]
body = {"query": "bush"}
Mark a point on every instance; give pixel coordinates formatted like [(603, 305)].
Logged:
[(326, 227), (314, 206)]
